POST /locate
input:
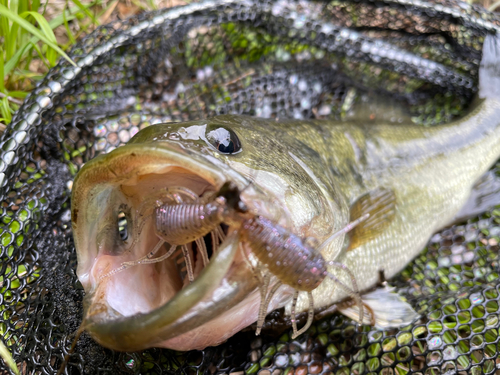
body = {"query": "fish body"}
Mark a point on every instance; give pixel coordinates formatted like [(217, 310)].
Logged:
[(310, 177)]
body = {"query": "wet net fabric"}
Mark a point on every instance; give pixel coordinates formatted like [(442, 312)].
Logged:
[(282, 59)]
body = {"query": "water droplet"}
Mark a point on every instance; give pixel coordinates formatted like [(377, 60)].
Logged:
[(324, 110), (55, 86), (130, 363), (124, 136), (319, 54), (20, 136), (434, 342), (457, 249), (68, 74), (133, 131), (302, 85), (444, 262), (297, 114), (180, 88), (282, 55), (281, 360), (100, 130), (208, 71), (66, 216), (495, 231), (293, 79), (492, 320), (344, 33), (469, 257), (478, 272), (267, 111), (300, 21), (476, 298), (113, 126), (326, 28), (482, 224), (449, 353), (462, 295), (374, 336), (9, 157), (44, 101), (100, 144), (436, 238), (200, 74), (470, 234), (32, 118)]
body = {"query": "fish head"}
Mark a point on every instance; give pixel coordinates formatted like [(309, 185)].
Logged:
[(255, 164)]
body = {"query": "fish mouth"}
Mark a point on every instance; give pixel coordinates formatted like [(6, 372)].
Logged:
[(189, 320), (150, 305)]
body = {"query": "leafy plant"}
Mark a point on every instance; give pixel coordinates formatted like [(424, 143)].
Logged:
[(28, 46), (7, 357)]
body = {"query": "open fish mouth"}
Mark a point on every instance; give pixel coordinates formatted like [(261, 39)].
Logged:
[(156, 304)]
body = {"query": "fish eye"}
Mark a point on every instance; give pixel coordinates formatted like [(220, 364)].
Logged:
[(224, 140), (122, 225)]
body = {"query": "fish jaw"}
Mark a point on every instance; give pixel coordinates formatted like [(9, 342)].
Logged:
[(219, 303), (143, 306), (189, 319)]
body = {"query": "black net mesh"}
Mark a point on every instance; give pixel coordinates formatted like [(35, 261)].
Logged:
[(280, 59)]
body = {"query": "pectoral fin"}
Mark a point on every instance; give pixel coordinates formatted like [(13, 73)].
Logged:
[(380, 203), (384, 309)]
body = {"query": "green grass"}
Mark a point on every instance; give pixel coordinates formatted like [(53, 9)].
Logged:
[(7, 357), (29, 47), (34, 34)]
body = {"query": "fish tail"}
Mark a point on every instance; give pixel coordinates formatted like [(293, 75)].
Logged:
[(489, 70)]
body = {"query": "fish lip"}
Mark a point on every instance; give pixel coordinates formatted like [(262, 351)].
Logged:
[(179, 315)]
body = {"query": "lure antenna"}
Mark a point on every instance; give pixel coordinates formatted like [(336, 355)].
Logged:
[(354, 292), (344, 230)]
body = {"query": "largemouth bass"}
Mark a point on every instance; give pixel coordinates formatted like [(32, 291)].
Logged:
[(308, 178)]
